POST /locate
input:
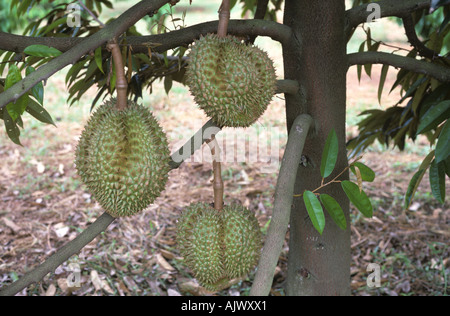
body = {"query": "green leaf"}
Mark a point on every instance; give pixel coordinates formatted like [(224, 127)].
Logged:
[(384, 72), (168, 82), (358, 198), (437, 180), (434, 116), (39, 113), (15, 109), (419, 95), (359, 67), (329, 154), (412, 187), (98, 58), (443, 144), (38, 90), (12, 130), (367, 174), (315, 211), (13, 76), (39, 50), (334, 209)]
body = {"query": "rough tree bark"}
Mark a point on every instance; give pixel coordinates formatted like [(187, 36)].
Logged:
[(316, 57)]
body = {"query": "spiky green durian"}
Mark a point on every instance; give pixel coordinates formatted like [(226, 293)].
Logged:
[(231, 81), (218, 245), (123, 158)]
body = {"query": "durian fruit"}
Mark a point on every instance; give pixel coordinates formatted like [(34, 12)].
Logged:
[(218, 246), (123, 158), (231, 81)]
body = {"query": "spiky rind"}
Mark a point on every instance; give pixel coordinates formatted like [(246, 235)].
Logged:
[(218, 246), (123, 158), (242, 241), (231, 81)]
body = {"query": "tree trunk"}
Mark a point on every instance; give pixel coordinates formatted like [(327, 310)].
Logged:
[(316, 57)]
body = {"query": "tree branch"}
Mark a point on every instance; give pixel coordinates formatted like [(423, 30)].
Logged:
[(210, 128), (361, 14), (159, 43), (260, 14), (284, 195), (439, 72), (113, 29), (423, 51), (63, 254), (184, 37), (74, 246)]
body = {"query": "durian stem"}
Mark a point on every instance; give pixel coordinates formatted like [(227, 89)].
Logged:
[(224, 18), (222, 30), (121, 81), (217, 168)]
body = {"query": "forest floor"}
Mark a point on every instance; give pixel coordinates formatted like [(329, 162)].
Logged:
[(43, 205)]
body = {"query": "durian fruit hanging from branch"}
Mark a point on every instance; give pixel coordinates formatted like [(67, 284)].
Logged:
[(219, 243), (231, 81), (123, 155), (218, 246)]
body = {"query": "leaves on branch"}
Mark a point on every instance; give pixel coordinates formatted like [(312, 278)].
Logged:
[(329, 154)]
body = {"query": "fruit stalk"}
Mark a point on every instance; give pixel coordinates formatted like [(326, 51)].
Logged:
[(121, 81), (217, 168), (224, 18)]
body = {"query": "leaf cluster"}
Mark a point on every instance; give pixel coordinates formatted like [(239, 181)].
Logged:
[(424, 106), (315, 202)]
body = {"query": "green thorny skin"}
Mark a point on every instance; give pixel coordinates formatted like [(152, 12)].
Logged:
[(123, 158), (231, 81), (218, 246)]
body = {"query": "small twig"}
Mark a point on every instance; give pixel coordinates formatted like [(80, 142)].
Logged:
[(335, 180), (217, 169), (91, 13)]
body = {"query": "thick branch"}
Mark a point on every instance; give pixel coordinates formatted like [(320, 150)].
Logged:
[(260, 14), (160, 42), (210, 128), (113, 29), (287, 86), (284, 195), (184, 37), (361, 14), (439, 72)]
